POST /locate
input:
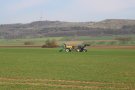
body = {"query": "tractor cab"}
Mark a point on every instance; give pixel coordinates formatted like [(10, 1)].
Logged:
[(81, 48)]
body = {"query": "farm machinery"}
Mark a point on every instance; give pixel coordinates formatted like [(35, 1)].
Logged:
[(79, 48)]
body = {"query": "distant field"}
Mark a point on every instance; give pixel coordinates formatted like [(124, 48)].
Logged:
[(48, 69), (109, 37), (93, 40), (36, 41)]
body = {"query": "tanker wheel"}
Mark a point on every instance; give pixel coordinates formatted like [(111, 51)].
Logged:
[(68, 50), (78, 50)]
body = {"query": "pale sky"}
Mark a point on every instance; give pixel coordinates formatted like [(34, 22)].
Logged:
[(25, 11)]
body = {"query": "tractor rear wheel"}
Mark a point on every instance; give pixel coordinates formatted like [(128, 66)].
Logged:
[(84, 50)]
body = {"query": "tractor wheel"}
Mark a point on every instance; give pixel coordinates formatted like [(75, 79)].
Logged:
[(78, 50), (84, 50), (68, 50)]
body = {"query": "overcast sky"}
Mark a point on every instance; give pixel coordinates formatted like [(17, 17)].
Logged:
[(24, 11)]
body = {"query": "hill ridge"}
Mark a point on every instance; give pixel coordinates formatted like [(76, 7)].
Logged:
[(60, 28)]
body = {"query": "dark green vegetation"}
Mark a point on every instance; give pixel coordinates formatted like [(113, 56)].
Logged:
[(44, 69), (41, 29)]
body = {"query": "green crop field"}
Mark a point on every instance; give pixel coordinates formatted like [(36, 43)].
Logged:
[(48, 69)]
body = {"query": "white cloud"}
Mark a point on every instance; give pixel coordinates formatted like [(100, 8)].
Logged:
[(24, 4)]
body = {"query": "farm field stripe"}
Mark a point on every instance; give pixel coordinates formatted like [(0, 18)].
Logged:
[(68, 86), (98, 46), (70, 81)]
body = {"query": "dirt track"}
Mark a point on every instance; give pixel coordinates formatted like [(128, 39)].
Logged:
[(7, 81), (70, 81)]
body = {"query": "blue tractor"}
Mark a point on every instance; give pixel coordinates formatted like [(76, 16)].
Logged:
[(81, 48)]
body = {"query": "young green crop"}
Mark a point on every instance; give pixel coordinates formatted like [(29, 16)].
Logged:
[(105, 66)]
